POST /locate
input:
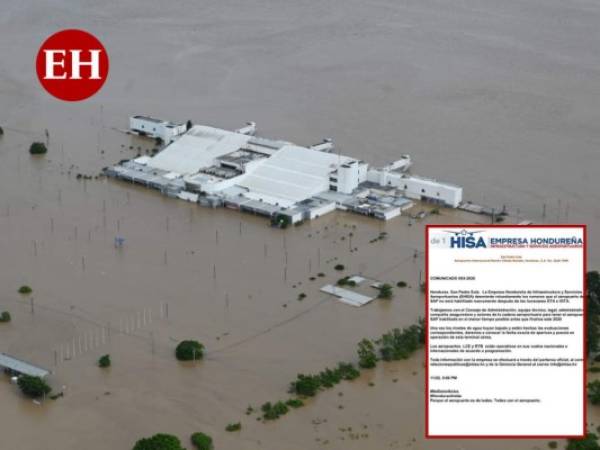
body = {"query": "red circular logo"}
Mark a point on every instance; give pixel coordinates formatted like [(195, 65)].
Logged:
[(72, 65)]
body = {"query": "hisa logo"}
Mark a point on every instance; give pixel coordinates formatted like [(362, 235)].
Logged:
[(466, 239)]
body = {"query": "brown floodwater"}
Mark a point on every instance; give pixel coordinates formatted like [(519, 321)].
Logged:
[(501, 97)]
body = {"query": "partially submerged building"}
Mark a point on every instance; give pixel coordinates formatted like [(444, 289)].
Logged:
[(156, 128), (15, 366), (269, 177)]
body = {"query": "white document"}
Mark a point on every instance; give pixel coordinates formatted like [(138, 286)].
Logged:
[(505, 315)]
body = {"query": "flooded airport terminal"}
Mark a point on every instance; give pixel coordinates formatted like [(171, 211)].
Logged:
[(126, 241)]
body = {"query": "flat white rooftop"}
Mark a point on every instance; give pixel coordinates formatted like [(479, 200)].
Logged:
[(346, 296), (198, 149), (291, 175), (22, 367)]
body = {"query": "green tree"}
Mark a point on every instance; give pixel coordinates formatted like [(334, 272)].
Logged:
[(400, 344), (590, 442), (294, 403), (25, 290), (367, 358), (306, 385), (385, 291), (274, 411), (1, 131), (202, 441), (339, 267), (5, 317), (188, 125), (33, 387), (38, 148), (593, 391), (104, 361), (159, 442), (593, 311), (189, 350), (233, 427), (347, 371)]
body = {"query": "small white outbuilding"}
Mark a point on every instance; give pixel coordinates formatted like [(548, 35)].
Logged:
[(156, 128)]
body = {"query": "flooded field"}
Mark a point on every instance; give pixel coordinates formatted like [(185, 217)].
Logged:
[(500, 98)]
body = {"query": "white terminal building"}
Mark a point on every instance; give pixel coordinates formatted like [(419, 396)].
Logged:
[(275, 178)]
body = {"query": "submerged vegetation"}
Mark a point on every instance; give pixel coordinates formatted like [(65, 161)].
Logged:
[(33, 387), (104, 361), (367, 358), (202, 441), (593, 312), (401, 343), (233, 427), (346, 281), (385, 291), (25, 290), (189, 351), (272, 412), (38, 148), (590, 442), (396, 344), (593, 392), (159, 442)]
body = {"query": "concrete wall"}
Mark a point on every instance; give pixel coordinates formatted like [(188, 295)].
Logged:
[(418, 188), (347, 177), (321, 210), (157, 129)]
